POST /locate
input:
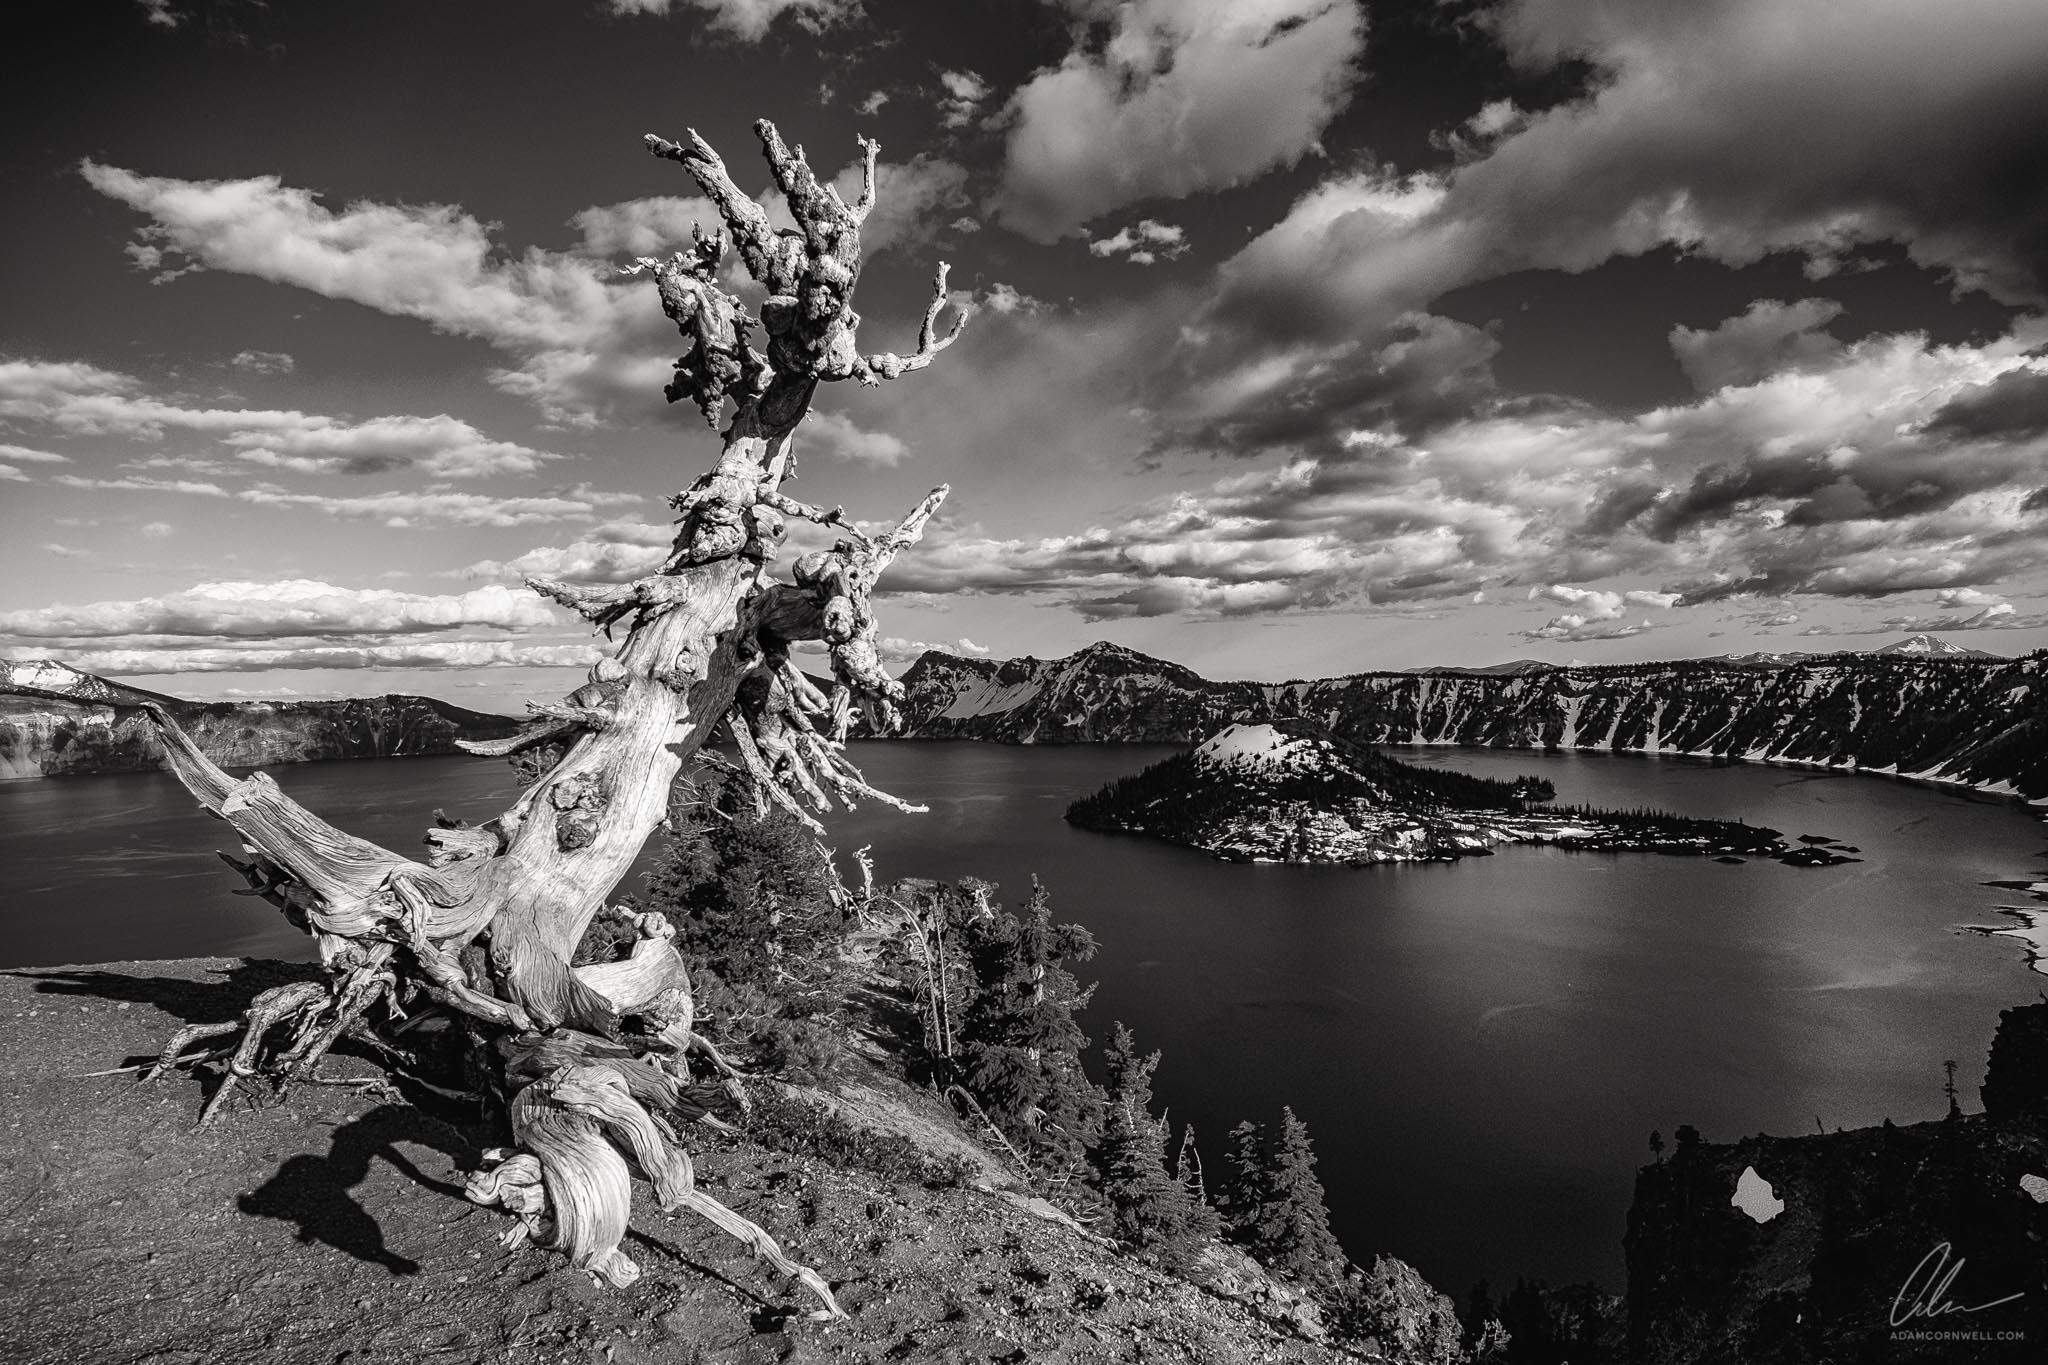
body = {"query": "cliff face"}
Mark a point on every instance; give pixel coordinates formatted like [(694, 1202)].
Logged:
[(1851, 1266), (1973, 720), (53, 725)]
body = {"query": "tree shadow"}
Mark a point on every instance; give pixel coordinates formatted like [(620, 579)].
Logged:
[(313, 1191), (200, 1001)]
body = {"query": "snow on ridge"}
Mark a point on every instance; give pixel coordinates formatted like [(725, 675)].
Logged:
[(47, 674)]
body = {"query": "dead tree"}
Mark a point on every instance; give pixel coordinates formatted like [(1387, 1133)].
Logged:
[(594, 1057)]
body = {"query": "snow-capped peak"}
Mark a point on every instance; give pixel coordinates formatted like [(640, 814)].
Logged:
[(1928, 644), (1262, 749), (45, 674)]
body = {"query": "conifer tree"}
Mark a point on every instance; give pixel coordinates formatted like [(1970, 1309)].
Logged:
[(1291, 1229), (1150, 1207), (1244, 1191), (1021, 1048)]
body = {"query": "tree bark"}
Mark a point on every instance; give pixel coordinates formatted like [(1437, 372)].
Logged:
[(487, 927)]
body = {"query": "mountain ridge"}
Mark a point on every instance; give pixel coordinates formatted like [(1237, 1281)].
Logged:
[(1978, 722), (58, 721)]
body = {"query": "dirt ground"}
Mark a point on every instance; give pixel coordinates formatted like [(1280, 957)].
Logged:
[(332, 1228)]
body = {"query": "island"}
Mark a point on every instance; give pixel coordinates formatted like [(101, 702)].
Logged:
[(1288, 792)]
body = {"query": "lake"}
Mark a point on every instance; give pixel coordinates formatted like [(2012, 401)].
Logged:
[(1480, 1049)]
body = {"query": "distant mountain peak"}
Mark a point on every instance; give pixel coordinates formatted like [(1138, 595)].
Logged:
[(1930, 645)]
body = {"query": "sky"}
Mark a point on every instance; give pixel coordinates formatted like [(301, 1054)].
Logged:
[(1305, 337)]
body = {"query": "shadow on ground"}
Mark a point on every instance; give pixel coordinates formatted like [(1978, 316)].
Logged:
[(314, 1191)]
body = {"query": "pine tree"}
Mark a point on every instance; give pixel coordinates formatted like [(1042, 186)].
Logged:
[(1150, 1207), (1291, 1232), (1021, 1047), (1244, 1192)]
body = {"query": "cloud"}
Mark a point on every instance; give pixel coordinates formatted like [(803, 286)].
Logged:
[(582, 339), (575, 330), (615, 553), (453, 654), (1819, 478), (292, 607), (1731, 129), (2015, 404), (443, 507), (749, 20), (441, 446), (1143, 243), (913, 201), (836, 435), (655, 226), (961, 104), (263, 362), (188, 487), (1007, 298), (897, 651), (81, 399), (1178, 96), (1769, 338), (29, 455), (156, 530), (1599, 613)]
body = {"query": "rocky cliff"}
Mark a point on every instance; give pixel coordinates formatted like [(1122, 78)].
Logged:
[(1978, 721), (58, 722), (1928, 1242)]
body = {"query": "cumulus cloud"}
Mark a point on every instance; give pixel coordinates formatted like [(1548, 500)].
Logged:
[(1819, 478), (614, 553), (964, 91), (655, 226), (581, 337), (897, 651), (292, 607), (1177, 97), (2014, 405), (1143, 242), (835, 434), (1770, 337), (1731, 129), (1597, 613), (263, 362)]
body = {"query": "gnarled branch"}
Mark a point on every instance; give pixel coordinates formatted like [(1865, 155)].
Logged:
[(888, 365)]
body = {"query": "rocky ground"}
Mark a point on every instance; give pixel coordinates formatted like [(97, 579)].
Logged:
[(332, 1228)]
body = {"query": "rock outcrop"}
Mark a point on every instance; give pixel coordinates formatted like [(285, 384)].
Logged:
[(58, 722), (1981, 722)]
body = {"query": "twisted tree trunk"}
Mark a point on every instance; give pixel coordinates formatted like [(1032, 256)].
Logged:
[(488, 926)]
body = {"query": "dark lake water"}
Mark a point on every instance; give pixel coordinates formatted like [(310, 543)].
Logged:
[(1480, 1049)]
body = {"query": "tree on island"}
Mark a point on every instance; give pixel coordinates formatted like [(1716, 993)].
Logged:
[(593, 1057)]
